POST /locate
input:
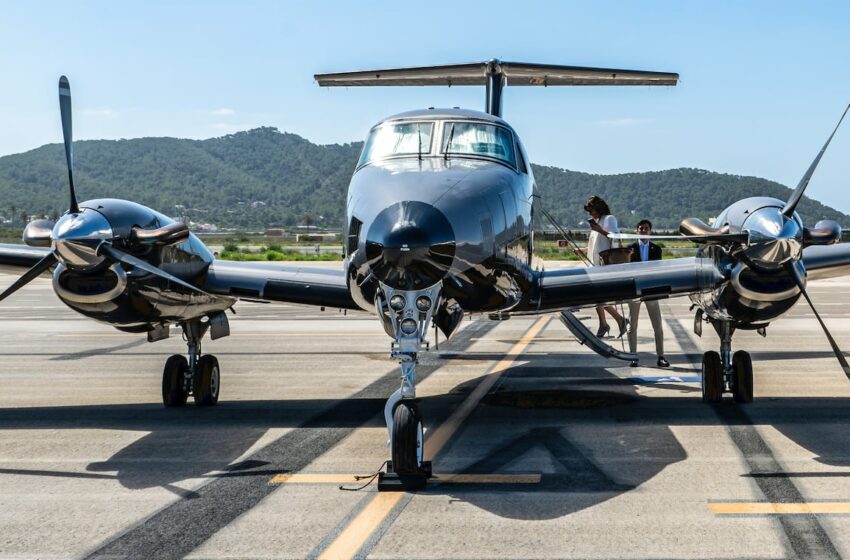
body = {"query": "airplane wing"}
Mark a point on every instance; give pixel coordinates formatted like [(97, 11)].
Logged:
[(275, 281), (573, 287), (827, 261), (15, 258), (268, 281)]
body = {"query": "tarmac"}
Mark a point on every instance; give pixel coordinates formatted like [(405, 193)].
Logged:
[(540, 448)]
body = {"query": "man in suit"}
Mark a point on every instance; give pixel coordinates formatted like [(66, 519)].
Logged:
[(641, 251)]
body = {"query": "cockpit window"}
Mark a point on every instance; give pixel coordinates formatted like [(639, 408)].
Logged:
[(478, 139), (397, 139)]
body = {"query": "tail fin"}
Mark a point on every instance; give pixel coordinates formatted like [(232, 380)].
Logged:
[(496, 74)]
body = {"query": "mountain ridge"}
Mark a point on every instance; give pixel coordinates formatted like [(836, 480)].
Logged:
[(264, 177)]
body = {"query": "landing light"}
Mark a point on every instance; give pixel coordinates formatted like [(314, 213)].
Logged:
[(423, 303), (408, 326), (397, 302)]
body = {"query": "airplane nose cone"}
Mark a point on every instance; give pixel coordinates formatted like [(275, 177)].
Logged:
[(76, 237), (410, 246)]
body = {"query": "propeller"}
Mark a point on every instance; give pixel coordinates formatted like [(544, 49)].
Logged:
[(81, 239), (796, 275), (67, 136)]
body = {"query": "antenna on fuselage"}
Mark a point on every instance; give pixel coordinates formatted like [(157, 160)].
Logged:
[(495, 75)]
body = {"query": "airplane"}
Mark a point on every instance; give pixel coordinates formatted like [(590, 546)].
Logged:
[(439, 223)]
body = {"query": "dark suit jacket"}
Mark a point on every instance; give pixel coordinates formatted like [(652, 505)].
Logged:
[(654, 252)]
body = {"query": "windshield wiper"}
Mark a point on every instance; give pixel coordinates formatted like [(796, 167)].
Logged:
[(449, 143), (419, 129)]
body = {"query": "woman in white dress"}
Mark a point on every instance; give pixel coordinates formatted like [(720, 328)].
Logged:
[(602, 223)]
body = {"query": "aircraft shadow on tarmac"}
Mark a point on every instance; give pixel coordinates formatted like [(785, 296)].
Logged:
[(587, 431)]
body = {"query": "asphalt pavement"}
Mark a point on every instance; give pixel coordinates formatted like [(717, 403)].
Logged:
[(541, 449)]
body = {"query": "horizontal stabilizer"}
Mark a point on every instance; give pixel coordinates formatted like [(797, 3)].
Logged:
[(515, 74)]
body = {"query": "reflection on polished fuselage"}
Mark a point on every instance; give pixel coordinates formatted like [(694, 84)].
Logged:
[(417, 216)]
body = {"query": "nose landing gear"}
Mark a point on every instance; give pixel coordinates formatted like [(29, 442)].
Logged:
[(199, 375), (725, 372), (406, 315)]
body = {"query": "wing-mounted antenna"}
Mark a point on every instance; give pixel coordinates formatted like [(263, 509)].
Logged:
[(495, 75)]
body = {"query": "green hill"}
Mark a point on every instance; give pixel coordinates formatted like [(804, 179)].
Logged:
[(263, 177)]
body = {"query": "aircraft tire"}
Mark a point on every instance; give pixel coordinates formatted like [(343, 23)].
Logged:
[(173, 394), (207, 381), (742, 388), (712, 377), (407, 443)]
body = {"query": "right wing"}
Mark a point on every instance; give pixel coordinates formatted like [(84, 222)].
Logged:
[(273, 281), (575, 287), (827, 261)]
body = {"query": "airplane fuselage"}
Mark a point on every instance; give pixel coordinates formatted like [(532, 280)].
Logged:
[(423, 216)]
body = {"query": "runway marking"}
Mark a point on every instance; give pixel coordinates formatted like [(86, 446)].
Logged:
[(352, 538), (449, 478), (765, 508)]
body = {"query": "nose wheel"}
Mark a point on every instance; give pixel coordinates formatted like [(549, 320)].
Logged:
[(407, 439)]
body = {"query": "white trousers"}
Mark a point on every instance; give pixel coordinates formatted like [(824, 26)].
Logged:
[(654, 311)]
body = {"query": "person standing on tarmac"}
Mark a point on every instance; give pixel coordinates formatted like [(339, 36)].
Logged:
[(601, 224), (641, 251)]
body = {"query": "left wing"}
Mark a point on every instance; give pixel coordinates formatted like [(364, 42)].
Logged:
[(274, 281), (17, 258), (573, 287)]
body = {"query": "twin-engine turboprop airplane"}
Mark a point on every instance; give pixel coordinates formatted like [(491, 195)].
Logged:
[(439, 222)]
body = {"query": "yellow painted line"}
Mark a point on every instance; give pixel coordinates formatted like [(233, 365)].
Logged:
[(358, 531), (352, 538), (761, 508), (307, 478), (485, 478)]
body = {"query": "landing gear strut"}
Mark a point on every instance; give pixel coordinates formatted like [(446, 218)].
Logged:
[(725, 372), (199, 375), (406, 315)]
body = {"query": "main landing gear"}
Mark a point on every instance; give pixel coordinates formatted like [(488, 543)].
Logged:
[(725, 372), (406, 316), (198, 376)]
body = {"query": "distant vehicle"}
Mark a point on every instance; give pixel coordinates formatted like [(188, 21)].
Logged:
[(438, 223)]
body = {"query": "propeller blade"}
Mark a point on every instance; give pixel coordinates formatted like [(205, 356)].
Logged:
[(28, 276), (797, 195), (838, 353), (708, 238), (120, 256), (67, 135)]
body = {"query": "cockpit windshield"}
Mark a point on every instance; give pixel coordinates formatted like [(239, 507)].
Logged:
[(478, 139), (397, 139)]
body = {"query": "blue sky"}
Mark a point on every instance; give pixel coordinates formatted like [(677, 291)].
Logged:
[(762, 83)]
